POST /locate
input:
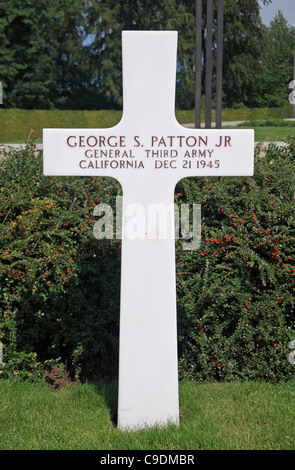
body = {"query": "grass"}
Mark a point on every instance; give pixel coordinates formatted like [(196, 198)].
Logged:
[(275, 130), (273, 133), (215, 416)]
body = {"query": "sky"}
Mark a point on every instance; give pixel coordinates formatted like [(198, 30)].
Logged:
[(287, 7)]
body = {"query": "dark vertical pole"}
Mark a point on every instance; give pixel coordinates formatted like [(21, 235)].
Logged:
[(208, 64), (219, 64), (198, 89)]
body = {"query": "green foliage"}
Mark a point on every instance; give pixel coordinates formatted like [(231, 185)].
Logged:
[(236, 293), (278, 62), (67, 54), (25, 366), (244, 40), (60, 286), (108, 18), (59, 297), (41, 56)]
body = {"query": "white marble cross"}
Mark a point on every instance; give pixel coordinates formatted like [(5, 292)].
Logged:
[(148, 152)]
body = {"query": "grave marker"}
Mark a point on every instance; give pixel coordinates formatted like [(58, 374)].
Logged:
[(148, 152)]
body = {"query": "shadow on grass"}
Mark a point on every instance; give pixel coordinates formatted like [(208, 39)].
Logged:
[(109, 391)]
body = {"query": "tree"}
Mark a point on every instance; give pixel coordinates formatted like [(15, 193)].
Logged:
[(278, 59), (107, 18), (40, 56), (243, 44), (22, 72), (67, 55), (244, 40)]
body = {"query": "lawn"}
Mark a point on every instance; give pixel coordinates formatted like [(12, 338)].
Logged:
[(213, 416), (274, 130), (273, 133)]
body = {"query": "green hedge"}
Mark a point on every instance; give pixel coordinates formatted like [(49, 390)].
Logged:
[(242, 114), (17, 124), (60, 285), (236, 293)]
